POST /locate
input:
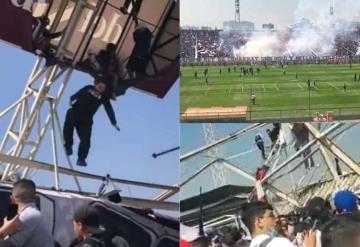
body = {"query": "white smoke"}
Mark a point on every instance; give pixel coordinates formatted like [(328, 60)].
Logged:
[(306, 37)]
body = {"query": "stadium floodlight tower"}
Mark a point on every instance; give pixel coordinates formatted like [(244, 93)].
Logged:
[(237, 11), (217, 170), (331, 7)]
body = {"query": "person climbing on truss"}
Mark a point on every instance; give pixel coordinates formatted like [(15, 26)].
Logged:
[(139, 57), (41, 39), (83, 106), (259, 141)]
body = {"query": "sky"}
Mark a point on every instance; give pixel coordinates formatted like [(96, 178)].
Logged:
[(148, 125), (282, 13), (192, 137)]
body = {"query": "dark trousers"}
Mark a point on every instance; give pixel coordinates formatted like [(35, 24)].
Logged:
[(83, 128), (260, 145)]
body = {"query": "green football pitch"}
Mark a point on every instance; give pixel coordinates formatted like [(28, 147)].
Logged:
[(278, 96)]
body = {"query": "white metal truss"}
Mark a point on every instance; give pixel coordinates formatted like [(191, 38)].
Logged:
[(27, 128), (217, 171), (320, 143)]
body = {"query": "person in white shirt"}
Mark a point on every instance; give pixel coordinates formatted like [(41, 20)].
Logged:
[(261, 221), (34, 229)]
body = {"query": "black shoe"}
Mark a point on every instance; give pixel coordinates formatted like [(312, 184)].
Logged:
[(68, 151), (81, 162), (124, 10)]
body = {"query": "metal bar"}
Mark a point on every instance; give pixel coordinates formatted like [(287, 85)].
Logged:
[(29, 121), (144, 203), (221, 141), (70, 29), (325, 155), (48, 119), (198, 172), (308, 145), (54, 147), (67, 157), (236, 169), (62, 170), (15, 116), (94, 29), (167, 194), (4, 112), (334, 149), (282, 195)]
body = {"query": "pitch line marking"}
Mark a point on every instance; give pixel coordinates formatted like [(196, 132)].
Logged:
[(230, 89), (276, 87), (206, 92), (299, 86), (264, 87), (331, 85)]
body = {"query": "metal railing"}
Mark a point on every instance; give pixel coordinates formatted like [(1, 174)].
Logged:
[(282, 115)]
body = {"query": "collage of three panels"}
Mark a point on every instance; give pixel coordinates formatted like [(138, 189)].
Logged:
[(179, 123), (269, 109)]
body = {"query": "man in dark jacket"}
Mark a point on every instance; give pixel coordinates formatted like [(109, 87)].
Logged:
[(87, 227), (84, 105), (140, 54)]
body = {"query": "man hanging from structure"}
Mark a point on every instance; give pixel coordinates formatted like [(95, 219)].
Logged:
[(259, 141), (140, 56), (42, 39), (83, 106)]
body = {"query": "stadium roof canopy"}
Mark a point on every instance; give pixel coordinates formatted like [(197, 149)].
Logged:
[(218, 202)]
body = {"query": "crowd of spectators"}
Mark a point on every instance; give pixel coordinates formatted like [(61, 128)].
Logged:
[(320, 223)]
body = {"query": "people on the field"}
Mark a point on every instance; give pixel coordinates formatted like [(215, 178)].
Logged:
[(253, 98)]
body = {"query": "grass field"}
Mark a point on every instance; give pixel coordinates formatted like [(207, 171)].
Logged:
[(277, 95)]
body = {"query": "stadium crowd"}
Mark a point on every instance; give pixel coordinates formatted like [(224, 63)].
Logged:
[(214, 47), (319, 223)]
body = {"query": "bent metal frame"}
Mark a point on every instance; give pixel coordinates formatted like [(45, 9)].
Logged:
[(321, 142)]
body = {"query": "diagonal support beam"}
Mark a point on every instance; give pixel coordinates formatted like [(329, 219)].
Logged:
[(334, 149), (232, 136), (236, 169), (298, 153)]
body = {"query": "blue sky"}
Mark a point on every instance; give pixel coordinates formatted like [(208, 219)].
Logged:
[(282, 13), (192, 137), (147, 124)]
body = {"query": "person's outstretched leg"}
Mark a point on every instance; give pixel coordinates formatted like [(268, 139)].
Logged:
[(84, 133), (68, 131)]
